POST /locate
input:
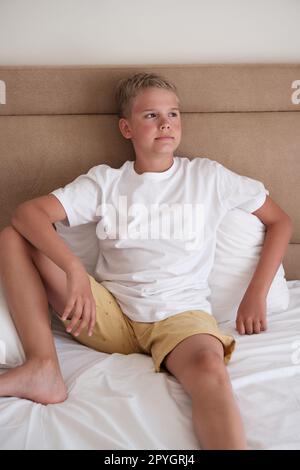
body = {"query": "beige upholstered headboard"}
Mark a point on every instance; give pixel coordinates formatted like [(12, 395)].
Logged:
[(57, 122)]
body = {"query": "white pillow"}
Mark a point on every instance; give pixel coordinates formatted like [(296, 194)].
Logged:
[(11, 349), (240, 237)]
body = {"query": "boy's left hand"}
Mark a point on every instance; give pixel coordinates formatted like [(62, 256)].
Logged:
[(252, 314)]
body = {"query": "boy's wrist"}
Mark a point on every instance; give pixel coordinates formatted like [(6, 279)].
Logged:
[(257, 289), (74, 265)]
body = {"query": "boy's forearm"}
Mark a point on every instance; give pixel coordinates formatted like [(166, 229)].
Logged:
[(34, 225), (276, 241)]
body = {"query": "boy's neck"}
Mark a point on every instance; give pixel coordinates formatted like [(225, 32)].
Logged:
[(153, 166)]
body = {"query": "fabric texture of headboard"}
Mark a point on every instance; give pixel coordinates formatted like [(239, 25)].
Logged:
[(57, 122)]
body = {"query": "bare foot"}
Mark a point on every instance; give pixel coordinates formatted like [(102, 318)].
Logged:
[(36, 380)]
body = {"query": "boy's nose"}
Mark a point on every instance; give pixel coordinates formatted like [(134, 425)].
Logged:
[(164, 125)]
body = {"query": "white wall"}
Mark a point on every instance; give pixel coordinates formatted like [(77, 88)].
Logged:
[(65, 32)]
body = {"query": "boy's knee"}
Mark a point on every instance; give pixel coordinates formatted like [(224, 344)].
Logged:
[(204, 365), (7, 235), (207, 361), (9, 238)]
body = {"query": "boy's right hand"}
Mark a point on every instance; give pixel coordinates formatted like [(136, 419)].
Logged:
[(80, 307)]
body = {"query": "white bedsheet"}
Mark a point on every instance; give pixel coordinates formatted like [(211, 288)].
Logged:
[(119, 402)]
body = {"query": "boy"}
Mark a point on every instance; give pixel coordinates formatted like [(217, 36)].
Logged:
[(158, 279)]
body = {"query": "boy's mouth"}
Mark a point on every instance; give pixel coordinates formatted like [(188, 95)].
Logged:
[(164, 138)]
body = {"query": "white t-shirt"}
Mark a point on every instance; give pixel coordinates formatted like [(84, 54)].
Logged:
[(157, 230)]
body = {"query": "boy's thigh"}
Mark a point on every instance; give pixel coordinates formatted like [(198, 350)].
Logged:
[(176, 341), (53, 278), (113, 332)]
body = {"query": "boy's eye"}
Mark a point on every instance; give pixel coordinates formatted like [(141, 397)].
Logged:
[(173, 113)]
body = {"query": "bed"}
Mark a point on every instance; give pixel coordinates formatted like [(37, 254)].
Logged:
[(56, 123)]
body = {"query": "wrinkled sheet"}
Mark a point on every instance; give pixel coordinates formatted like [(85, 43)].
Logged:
[(119, 402)]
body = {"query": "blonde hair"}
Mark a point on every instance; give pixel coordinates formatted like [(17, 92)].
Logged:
[(128, 88)]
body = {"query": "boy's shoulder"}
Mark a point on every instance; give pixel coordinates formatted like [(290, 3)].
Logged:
[(107, 171), (203, 163)]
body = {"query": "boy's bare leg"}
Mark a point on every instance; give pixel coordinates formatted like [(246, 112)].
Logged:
[(39, 378), (198, 364)]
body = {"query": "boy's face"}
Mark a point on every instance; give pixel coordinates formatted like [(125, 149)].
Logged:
[(154, 125)]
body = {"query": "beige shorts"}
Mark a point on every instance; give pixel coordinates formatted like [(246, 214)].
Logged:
[(114, 332)]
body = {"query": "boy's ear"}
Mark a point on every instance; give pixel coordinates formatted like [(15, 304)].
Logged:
[(125, 128)]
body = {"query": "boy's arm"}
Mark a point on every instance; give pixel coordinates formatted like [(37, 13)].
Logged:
[(33, 220), (251, 316)]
